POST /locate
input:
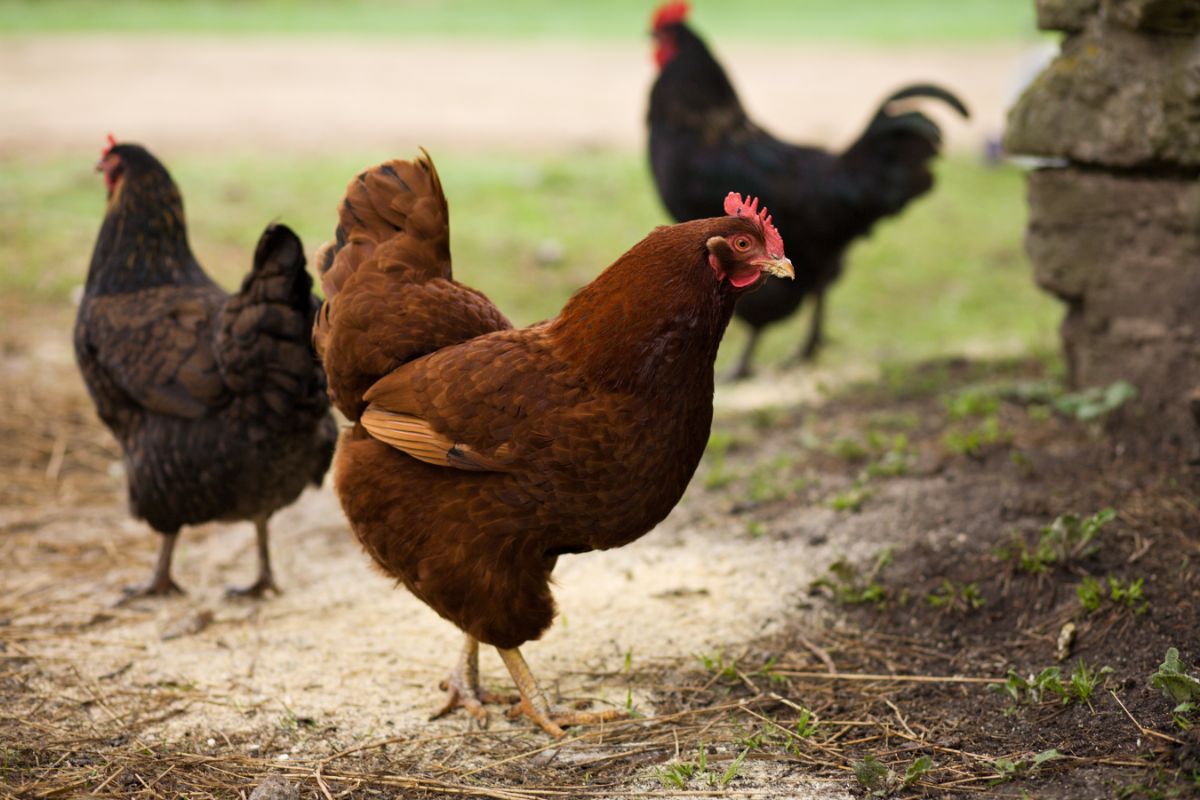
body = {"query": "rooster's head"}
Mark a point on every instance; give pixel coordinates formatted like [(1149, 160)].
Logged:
[(111, 165), (751, 247), (664, 27)]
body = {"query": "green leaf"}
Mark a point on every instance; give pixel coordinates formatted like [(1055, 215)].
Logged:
[(1174, 681), (1044, 756), (732, 772), (917, 770), (871, 773)]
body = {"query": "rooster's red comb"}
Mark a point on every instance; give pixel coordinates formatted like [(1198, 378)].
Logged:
[(670, 14), (735, 206), (112, 142)]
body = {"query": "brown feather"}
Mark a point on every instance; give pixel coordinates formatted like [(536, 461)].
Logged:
[(482, 454)]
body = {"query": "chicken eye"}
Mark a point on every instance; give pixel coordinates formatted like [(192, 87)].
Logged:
[(741, 243)]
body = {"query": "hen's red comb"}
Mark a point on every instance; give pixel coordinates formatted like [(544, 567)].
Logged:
[(735, 206), (112, 142), (670, 14)]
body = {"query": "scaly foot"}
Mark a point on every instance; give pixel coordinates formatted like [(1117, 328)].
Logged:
[(533, 702), (259, 589), (462, 693), (463, 690), (552, 721), (158, 586)]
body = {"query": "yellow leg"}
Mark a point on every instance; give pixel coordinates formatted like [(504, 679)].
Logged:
[(534, 705), (463, 690)]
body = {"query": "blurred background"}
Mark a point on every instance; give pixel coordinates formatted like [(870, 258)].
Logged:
[(535, 113)]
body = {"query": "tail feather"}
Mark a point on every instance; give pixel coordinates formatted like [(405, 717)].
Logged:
[(389, 292), (397, 199), (889, 163), (262, 344), (926, 90)]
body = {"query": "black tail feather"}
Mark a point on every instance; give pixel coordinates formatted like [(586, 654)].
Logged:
[(924, 90)]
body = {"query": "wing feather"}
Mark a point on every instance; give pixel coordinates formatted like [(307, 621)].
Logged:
[(416, 437)]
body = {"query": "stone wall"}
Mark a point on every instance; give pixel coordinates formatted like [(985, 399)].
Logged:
[(1114, 229)]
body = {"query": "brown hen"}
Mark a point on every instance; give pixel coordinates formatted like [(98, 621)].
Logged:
[(480, 453)]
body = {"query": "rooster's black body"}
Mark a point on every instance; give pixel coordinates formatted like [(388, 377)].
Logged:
[(702, 143)]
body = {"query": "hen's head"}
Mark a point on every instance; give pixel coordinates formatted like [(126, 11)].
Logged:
[(120, 162), (746, 245), (665, 26)]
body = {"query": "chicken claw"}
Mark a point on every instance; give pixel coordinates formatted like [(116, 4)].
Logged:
[(463, 689), (160, 583), (266, 579), (534, 705), (260, 588)]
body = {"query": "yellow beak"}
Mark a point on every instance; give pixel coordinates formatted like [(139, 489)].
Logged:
[(779, 267)]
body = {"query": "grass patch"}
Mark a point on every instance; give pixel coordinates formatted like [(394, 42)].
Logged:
[(530, 230), (880, 21)]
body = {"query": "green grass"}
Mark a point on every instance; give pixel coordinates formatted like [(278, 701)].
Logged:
[(882, 21), (948, 274)]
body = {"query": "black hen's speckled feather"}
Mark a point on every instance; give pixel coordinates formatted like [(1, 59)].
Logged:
[(217, 400)]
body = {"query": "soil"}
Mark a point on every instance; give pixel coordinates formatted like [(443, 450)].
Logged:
[(715, 629)]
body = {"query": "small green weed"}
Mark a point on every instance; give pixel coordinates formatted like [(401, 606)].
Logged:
[(851, 500), (773, 480), (677, 774), (974, 401), (1092, 593), (715, 663), (1085, 679), (680, 773), (806, 724), (956, 596), (889, 454), (881, 780), (849, 449), (1069, 538), (1095, 402), (1174, 680), (874, 776), (849, 588), (1047, 684), (971, 441), (1008, 769)]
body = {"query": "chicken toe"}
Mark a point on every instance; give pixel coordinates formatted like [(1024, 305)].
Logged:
[(266, 579), (160, 584), (260, 588), (534, 705), (463, 690)]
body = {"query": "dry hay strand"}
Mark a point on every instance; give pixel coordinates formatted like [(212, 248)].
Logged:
[(53, 449), (76, 736)]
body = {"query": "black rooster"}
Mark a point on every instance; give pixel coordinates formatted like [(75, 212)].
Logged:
[(703, 145), (217, 400)]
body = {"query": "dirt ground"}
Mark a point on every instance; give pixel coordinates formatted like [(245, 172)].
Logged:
[(717, 629), (723, 630)]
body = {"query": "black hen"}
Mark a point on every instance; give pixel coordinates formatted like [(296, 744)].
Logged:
[(702, 145), (217, 400)]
